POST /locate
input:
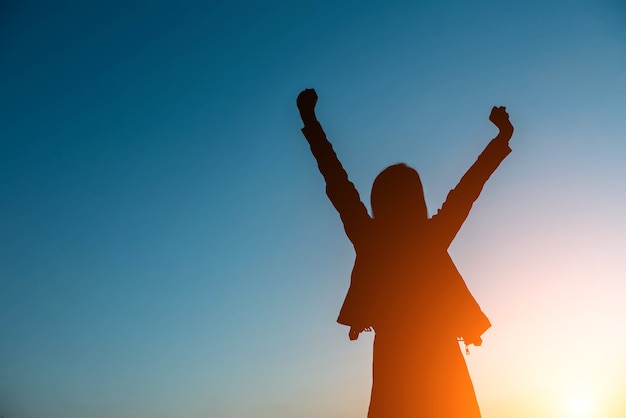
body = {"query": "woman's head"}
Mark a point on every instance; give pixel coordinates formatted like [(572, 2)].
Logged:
[(398, 197)]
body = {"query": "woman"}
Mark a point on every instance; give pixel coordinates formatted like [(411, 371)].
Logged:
[(404, 284)]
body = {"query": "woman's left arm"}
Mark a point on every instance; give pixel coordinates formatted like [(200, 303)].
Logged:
[(459, 201)]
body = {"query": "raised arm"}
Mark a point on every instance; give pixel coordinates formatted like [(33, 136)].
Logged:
[(454, 211), (341, 192)]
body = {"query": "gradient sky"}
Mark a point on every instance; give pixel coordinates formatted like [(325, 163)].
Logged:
[(166, 246)]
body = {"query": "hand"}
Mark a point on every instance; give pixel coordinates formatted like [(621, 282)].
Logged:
[(356, 330), (500, 118), (306, 102)]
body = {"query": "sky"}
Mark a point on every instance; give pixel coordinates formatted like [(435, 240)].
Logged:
[(166, 245)]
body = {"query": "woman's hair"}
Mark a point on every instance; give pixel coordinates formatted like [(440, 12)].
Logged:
[(398, 196)]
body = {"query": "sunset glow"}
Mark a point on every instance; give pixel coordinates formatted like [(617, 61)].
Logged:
[(166, 245), (579, 407)]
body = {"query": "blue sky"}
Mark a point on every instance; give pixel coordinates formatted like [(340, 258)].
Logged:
[(166, 247)]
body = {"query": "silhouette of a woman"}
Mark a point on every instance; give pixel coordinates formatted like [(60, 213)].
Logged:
[(404, 284)]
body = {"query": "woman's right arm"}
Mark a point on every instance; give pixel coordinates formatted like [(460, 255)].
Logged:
[(340, 190)]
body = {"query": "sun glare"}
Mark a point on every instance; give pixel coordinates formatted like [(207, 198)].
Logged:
[(578, 407)]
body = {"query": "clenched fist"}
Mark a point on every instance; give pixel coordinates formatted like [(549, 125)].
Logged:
[(500, 118), (306, 105)]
